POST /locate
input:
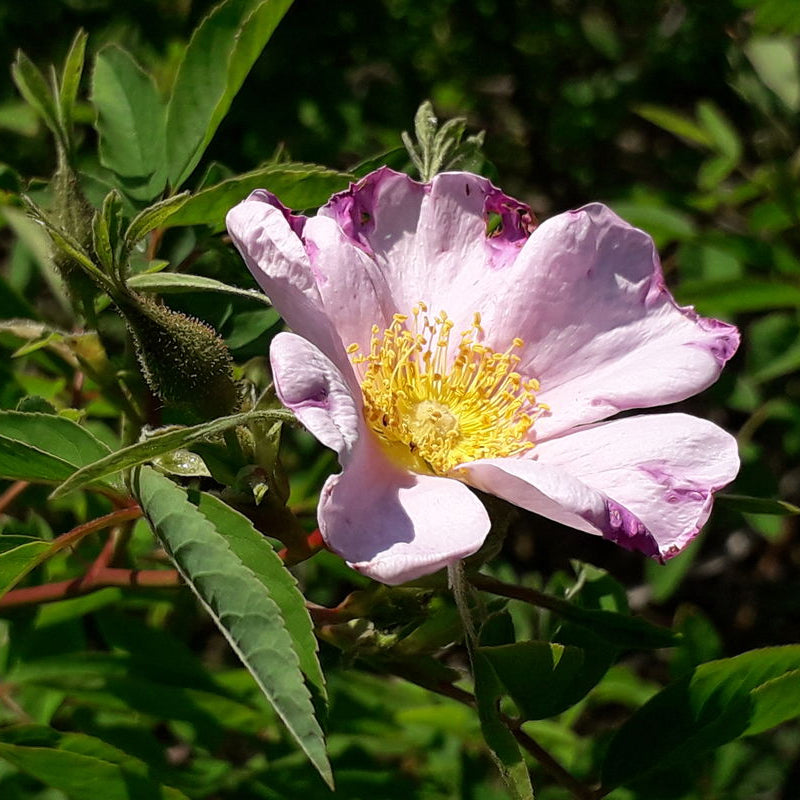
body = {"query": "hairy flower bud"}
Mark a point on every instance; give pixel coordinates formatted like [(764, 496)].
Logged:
[(184, 361)]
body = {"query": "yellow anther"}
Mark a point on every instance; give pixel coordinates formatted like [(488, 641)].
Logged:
[(443, 402), (352, 348)]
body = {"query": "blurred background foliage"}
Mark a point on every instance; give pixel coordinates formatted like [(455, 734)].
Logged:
[(681, 115)]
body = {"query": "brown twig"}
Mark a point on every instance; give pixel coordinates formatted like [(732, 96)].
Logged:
[(11, 494)]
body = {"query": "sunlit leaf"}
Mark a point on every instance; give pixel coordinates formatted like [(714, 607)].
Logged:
[(220, 54), (717, 703), (238, 602)]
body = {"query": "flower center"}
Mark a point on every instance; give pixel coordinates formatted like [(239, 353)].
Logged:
[(437, 404)]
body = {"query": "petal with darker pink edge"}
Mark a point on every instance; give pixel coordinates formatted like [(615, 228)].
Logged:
[(602, 333), (644, 482), (393, 525), (274, 253)]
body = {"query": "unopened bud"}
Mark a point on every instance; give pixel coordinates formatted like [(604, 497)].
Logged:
[(184, 361)]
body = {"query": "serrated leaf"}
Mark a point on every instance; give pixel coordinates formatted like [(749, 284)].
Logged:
[(298, 186), (179, 283), (157, 445), (131, 119), (717, 703), (18, 555), (152, 217), (82, 767), (758, 505), (204, 87), (254, 550), (34, 88), (71, 79), (43, 447), (674, 123), (239, 604)]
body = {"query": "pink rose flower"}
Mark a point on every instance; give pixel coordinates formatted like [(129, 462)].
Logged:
[(443, 341)]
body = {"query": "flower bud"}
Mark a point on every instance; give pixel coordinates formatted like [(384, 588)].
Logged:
[(184, 361)]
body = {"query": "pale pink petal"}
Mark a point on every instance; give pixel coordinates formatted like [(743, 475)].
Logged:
[(645, 482), (602, 333), (430, 242), (352, 288), (267, 237), (311, 386), (393, 525)]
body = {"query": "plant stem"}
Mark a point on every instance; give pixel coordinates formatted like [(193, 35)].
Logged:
[(547, 762), (532, 596), (90, 582), (11, 494)]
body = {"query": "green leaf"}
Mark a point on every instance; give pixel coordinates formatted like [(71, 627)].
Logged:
[(157, 445), (674, 123), (238, 601), (758, 505), (542, 678), (131, 120), (18, 555), (71, 79), (205, 86), (775, 61), (298, 186), (253, 549), (152, 217), (43, 447), (37, 93), (503, 745), (717, 703), (82, 767), (723, 135), (247, 326), (734, 297), (179, 283)]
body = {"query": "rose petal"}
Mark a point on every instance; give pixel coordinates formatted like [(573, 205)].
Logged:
[(353, 289), (393, 525), (274, 253), (430, 241), (311, 386), (602, 332), (644, 482)]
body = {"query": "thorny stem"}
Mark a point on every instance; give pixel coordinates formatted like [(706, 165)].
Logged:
[(11, 494)]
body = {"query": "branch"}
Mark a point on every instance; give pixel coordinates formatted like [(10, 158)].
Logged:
[(547, 762), (11, 494), (532, 596), (102, 578), (307, 547)]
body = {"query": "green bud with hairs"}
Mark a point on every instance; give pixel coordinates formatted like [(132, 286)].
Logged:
[(184, 361)]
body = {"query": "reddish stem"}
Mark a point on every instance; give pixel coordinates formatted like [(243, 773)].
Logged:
[(11, 494), (103, 577), (101, 523)]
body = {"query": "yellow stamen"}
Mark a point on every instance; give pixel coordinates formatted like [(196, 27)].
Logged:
[(437, 404)]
